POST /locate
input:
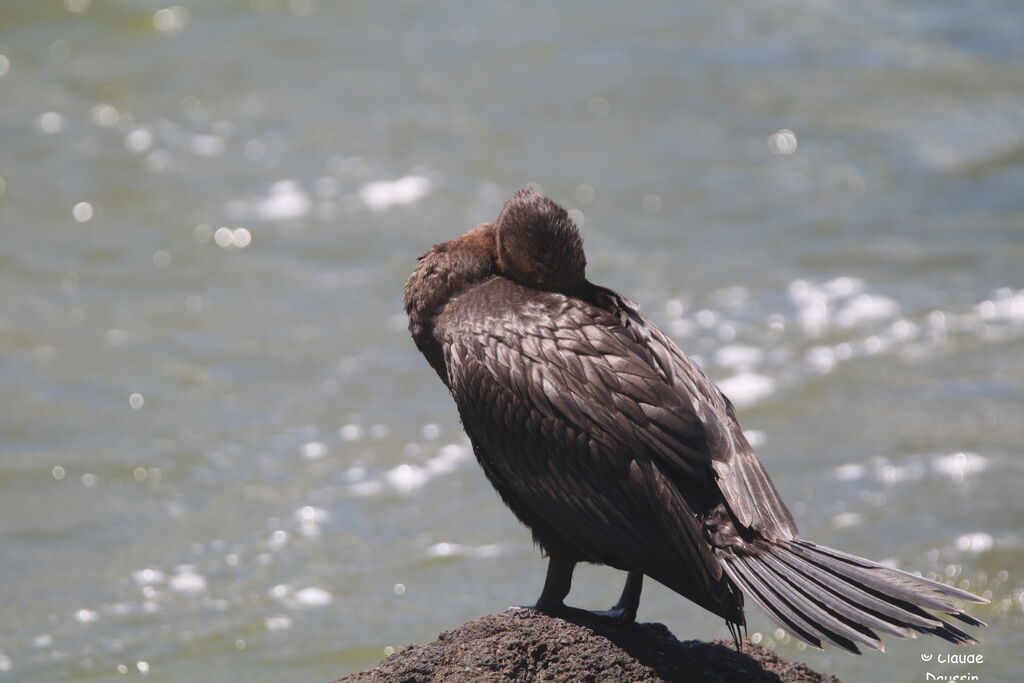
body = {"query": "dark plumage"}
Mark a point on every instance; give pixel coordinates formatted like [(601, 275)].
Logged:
[(615, 448)]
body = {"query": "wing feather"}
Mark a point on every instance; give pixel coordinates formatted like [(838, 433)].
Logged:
[(589, 420)]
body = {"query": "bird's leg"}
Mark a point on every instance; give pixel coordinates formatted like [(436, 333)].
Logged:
[(559, 581), (556, 584), (629, 602), (556, 587)]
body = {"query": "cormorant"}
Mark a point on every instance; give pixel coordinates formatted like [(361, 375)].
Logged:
[(613, 447)]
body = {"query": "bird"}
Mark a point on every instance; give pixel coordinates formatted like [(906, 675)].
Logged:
[(613, 447)]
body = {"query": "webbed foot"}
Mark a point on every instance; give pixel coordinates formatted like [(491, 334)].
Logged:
[(616, 615)]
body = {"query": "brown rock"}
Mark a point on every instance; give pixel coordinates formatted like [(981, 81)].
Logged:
[(526, 645)]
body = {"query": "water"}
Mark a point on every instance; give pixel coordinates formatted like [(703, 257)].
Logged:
[(221, 456)]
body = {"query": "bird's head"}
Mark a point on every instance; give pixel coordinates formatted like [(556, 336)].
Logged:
[(538, 245)]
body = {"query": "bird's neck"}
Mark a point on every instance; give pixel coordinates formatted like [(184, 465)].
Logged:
[(444, 272)]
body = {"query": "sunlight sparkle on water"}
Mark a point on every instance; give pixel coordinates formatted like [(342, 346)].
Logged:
[(383, 194), (892, 474), (706, 317), (171, 19), (105, 115), (278, 539), (440, 550), (747, 388), (739, 356), (782, 142), (187, 580), (977, 542), (821, 359), (241, 238), (208, 145), (278, 622), (50, 122), (458, 550), (755, 437), (147, 577), (86, 616), (138, 140), (287, 200), (310, 518), (683, 328), (314, 450), (313, 597), (238, 238), (350, 432), (82, 212), (866, 307), (850, 471), (223, 237), (958, 465), (406, 478), (847, 520)]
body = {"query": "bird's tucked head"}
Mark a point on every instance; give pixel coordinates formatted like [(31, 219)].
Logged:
[(538, 245), (533, 242)]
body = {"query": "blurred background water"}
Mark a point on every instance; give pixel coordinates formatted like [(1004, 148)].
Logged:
[(222, 458)]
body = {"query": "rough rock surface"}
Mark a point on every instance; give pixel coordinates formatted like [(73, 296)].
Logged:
[(525, 645)]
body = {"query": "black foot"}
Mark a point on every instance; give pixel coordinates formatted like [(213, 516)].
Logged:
[(621, 615), (616, 615)]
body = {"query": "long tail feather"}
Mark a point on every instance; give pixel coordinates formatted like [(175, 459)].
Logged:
[(824, 595)]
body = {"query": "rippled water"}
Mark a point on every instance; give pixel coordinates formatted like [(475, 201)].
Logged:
[(221, 458)]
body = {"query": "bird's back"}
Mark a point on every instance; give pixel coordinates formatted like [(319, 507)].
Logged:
[(583, 433)]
